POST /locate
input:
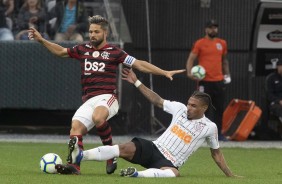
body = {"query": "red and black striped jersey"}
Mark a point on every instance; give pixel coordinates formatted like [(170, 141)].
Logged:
[(99, 68)]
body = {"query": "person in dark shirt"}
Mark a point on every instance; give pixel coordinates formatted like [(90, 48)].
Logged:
[(274, 91), (6, 8), (31, 14), (70, 21)]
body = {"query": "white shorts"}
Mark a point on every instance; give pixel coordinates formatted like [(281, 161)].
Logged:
[(85, 111)]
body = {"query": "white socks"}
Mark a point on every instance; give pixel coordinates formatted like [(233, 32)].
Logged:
[(101, 153), (156, 173), (108, 152)]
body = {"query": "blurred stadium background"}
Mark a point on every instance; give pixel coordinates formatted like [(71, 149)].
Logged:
[(40, 92)]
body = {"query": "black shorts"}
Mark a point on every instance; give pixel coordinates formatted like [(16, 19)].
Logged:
[(148, 155)]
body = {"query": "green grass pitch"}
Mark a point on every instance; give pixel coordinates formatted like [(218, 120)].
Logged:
[(19, 163)]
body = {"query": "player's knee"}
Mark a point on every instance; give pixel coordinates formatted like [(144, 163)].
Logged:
[(98, 120), (127, 150), (100, 115), (78, 128)]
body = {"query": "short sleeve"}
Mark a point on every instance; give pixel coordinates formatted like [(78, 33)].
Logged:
[(212, 139), (173, 107), (73, 52), (196, 48)]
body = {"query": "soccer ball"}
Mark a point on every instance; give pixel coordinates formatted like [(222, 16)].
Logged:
[(198, 71), (48, 162)]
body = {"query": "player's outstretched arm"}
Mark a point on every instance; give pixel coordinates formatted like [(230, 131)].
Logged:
[(154, 98), (146, 67), (220, 161), (52, 47)]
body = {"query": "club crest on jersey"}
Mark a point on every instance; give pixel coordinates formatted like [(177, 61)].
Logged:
[(218, 46), (105, 55), (96, 54), (198, 126)]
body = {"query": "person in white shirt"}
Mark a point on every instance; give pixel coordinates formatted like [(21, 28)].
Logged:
[(188, 130)]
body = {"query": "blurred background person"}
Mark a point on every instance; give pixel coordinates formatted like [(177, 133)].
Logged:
[(68, 21), (31, 14), (18, 5), (274, 91), (211, 53), (6, 8)]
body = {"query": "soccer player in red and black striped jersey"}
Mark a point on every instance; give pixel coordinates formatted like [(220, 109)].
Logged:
[(99, 62)]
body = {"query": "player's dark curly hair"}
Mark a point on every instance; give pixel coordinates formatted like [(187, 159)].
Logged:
[(98, 19), (204, 97)]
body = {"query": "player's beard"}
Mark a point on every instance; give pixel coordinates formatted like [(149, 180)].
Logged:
[(212, 34), (96, 43)]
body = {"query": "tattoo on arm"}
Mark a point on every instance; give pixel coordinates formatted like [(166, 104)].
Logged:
[(153, 97), (220, 161)]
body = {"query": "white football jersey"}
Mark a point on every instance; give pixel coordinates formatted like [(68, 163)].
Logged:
[(183, 137)]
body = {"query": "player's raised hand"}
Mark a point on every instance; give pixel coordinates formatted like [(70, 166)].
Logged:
[(169, 74), (33, 34), (129, 75)]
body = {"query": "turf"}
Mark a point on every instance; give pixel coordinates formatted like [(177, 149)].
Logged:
[(20, 164)]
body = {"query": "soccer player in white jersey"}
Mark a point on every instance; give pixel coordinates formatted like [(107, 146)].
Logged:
[(188, 130)]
